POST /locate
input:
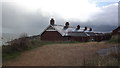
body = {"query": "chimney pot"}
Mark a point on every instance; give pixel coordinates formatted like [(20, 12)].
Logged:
[(52, 21), (85, 29), (66, 25), (78, 27), (90, 29)]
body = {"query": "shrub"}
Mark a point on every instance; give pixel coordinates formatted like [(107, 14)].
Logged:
[(115, 39), (15, 46), (21, 43)]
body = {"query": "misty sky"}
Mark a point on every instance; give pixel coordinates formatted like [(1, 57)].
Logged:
[(32, 16)]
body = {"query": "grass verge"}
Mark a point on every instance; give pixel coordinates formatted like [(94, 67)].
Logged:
[(115, 39), (108, 60)]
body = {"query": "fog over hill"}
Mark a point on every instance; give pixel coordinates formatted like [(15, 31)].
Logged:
[(8, 37)]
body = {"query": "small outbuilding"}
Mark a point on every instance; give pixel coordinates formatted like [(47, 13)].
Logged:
[(116, 31)]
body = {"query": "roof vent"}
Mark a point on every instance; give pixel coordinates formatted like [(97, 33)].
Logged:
[(78, 27), (90, 29), (85, 29), (52, 21), (66, 25)]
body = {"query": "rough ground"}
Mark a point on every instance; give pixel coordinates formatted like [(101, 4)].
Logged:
[(58, 54)]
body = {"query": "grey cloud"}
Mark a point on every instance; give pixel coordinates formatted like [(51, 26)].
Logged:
[(109, 16), (107, 20), (17, 20), (104, 21)]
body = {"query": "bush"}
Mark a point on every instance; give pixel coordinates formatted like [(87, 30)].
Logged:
[(115, 39), (112, 59), (21, 43), (15, 46)]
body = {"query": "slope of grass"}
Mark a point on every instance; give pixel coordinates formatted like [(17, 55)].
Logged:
[(113, 59), (115, 39), (108, 60), (9, 56)]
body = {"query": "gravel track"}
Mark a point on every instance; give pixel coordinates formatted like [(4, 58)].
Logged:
[(58, 54)]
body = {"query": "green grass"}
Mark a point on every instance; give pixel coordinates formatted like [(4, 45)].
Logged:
[(107, 60), (115, 39), (10, 56)]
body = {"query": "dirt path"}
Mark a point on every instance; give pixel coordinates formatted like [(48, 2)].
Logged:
[(58, 55)]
